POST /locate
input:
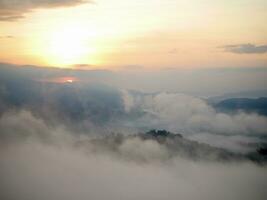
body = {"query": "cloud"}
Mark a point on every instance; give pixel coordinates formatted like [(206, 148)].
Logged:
[(11, 10), (189, 115), (67, 173), (7, 37), (173, 51), (67, 166), (245, 48), (197, 81), (83, 66), (128, 100), (235, 143), (92, 107)]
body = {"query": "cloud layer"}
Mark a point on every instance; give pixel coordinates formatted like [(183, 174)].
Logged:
[(56, 142), (38, 161), (94, 107), (246, 48), (187, 114), (11, 10)]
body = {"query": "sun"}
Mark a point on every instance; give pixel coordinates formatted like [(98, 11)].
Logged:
[(66, 79), (68, 45)]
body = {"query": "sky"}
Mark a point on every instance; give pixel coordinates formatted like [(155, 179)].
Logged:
[(123, 34)]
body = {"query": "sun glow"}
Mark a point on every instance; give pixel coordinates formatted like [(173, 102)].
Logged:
[(68, 45)]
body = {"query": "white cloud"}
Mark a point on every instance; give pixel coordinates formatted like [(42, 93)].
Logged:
[(69, 169), (187, 114), (235, 143)]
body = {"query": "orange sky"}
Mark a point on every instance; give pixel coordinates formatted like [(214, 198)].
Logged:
[(141, 33)]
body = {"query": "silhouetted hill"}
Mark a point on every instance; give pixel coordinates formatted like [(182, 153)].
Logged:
[(174, 145)]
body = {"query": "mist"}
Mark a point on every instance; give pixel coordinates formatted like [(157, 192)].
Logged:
[(93, 140), (42, 162)]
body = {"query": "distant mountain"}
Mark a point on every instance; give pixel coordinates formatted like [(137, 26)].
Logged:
[(258, 105), (245, 94)]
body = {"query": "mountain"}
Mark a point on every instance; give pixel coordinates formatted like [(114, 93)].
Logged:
[(258, 105), (244, 94), (171, 145)]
